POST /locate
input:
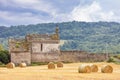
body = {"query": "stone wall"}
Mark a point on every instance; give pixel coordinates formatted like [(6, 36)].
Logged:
[(44, 57), (21, 57), (48, 47), (65, 56), (80, 56), (48, 52), (44, 47), (68, 56)]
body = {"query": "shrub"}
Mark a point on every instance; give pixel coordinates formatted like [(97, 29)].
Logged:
[(4, 56), (117, 56), (111, 59), (1, 63)]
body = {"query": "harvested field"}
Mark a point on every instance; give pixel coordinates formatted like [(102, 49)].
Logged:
[(68, 72)]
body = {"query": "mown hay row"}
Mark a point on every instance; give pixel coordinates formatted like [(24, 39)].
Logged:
[(106, 69), (94, 68), (10, 65), (22, 65), (51, 65), (84, 68), (59, 64)]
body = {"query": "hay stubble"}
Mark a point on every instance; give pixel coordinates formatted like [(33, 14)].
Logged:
[(68, 72)]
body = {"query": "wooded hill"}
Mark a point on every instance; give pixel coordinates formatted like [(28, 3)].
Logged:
[(98, 37)]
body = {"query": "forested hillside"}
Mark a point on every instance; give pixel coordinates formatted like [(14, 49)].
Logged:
[(96, 37)]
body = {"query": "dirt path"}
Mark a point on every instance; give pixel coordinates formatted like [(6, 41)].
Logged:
[(69, 72)]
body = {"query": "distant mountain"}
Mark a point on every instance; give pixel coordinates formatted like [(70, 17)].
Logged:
[(88, 36)]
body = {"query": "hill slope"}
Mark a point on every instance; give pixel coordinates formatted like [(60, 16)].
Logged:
[(88, 36)]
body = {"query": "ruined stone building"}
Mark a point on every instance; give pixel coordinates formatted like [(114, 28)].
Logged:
[(35, 48), (45, 48)]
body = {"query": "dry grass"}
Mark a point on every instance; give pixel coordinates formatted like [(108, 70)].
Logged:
[(22, 65), (51, 65), (10, 65), (59, 64), (84, 68), (94, 68), (68, 72), (106, 69)]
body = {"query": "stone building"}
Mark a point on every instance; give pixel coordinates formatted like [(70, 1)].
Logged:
[(35, 48), (45, 48)]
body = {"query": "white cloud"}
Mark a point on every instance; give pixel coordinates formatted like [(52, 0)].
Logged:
[(23, 18), (15, 18), (88, 12), (39, 5), (92, 12)]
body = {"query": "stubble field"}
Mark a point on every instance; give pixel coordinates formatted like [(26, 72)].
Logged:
[(69, 72)]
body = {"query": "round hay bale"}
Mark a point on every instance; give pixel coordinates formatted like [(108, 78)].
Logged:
[(51, 65), (59, 64), (10, 65), (106, 69), (94, 68), (84, 69), (22, 65)]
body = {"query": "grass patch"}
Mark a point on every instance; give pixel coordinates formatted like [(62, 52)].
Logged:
[(66, 62), (45, 63), (38, 63), (2, 65), (117, 63), (111, 59), (115, 59)]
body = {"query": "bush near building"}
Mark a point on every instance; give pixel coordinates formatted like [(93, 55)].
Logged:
[(4, 56)]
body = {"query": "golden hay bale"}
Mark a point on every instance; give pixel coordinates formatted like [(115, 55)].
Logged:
[(51, 65), (84, 68), (10, 65), (59, 64), (94, 68), (22, 65), (106, 69)]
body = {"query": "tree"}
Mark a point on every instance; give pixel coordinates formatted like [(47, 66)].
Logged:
[(1, 47), (4, 56)]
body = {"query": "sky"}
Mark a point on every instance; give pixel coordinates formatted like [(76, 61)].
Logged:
[(23, 12)]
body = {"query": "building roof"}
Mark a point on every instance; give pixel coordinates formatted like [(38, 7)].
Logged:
[(42, 37), (23, 44)]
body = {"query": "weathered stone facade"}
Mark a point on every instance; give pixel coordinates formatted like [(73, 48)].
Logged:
[(21, 57), (35, 48), (81, 56), (45, 48)]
